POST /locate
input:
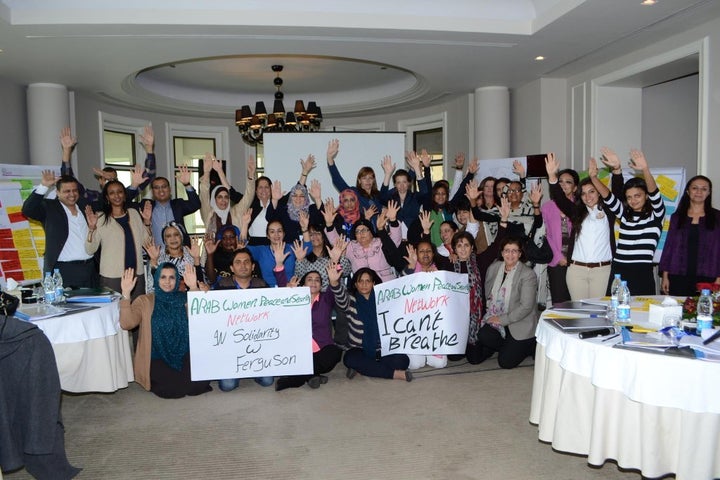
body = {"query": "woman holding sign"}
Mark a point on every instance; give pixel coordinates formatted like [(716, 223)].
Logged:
[(364, 356), (162, 356)]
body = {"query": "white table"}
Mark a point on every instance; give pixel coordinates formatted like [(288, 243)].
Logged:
[(657, 414), (91, 350)]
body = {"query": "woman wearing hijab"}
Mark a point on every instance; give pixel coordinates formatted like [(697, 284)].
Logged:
[(508, 326), (287, 209), (162, 357)]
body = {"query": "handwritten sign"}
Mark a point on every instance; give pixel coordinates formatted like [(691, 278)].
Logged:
[(250, 333), (424, 313)]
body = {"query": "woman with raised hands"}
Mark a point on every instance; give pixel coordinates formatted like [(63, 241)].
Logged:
[(174, 251), (220, 252), (592, 244), (162, 357), (365, 187), (641, 211), (120, 232), (358, 302), (402, 192)]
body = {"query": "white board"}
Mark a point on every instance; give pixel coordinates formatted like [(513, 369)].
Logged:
[(283, 152)]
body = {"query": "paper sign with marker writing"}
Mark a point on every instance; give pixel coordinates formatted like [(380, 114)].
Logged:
[(424, 313), (250, 333)]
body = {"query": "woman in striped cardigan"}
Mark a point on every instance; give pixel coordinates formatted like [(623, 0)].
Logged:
[(364, 355)]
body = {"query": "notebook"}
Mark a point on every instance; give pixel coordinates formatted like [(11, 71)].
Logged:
[(579, 324)]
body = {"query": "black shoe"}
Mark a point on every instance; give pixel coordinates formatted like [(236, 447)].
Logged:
[(350, 374), (408, 376), (314, 382), (323, 379), (282, 383)]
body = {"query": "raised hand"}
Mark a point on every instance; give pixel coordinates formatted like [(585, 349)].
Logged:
[(393, 208), (183, 175), (276, 190), (48, 178), (518, 168), (146, 213), (136, 176), (152, 250), (217, 165), (147, 138), (551, 167), (194, 248), (190, 276), (638, 160), (91, 217), (459, 160), (370, 212), (411, 257), (299, 250), (413, 160), (293, 282), (332, 150), (610, 158), (127, 282), (426, 221), (67, 141), (333, 273), (474, 166), (304, 220), (207, 163), (425, 157), (504, 209), (307, 164), (279, 254), (381, 220), (251, 165), (387, 165), (472, 191), (536, 193), (329, 212), (592, 168), (338, 249), (210, 243), (246, 218), (316, 192)]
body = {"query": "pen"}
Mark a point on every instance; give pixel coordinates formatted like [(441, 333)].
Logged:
[(712, 338), (610, 337)]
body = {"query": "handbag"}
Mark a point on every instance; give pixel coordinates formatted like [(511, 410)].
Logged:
[(537, 255), (8, 304)]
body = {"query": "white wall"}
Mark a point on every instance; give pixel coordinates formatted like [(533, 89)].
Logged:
[(618, 121), (670, 122), (13, 124), (538, 118)]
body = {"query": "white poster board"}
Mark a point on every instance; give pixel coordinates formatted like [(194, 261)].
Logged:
[(499, 167), (250, 333), (283, 151), (424, 313)]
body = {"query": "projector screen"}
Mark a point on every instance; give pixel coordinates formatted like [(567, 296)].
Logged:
[(283, 152)]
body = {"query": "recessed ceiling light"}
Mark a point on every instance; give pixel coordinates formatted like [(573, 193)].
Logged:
[(648, 2), (539, 58)]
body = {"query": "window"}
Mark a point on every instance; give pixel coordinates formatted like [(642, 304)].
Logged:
[(190, 151), (432, 141), (120, 148)]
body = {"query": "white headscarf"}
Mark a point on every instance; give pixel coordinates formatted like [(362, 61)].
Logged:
[(221, 213)]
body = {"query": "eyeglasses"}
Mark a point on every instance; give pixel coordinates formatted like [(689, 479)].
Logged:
[(514, 190), (362, 230), (510, 250)]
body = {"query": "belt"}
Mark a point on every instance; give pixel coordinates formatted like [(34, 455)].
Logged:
[(591, 264), (78, 262)]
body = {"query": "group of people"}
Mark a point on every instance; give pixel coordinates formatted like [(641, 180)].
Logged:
[(268, 238)]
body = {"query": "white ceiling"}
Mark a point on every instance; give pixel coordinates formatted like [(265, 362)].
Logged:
[(208, 58)]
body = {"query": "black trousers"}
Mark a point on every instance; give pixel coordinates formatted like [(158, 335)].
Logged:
[(558, 285), (79, 274), (384, 367), (639, 277), (166, 382), (510, 351)]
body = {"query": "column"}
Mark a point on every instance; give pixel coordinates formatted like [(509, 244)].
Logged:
[(48, 112), (492, 122)]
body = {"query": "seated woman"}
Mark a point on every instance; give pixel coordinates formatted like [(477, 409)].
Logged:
[(508, 326), (162, 357), (175, 251), (364, 355), (220, 252), (325, 353)]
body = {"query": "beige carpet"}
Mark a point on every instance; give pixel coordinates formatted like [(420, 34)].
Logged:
[(462, 422)]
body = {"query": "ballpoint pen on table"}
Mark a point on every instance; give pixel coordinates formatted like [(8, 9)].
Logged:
[(610, 337)]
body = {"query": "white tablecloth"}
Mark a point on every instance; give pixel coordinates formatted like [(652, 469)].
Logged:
[(649, 412), (91, 350)]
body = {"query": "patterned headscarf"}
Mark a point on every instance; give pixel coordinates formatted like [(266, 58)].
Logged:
[(293, 211), (169, 322), (349, 216)]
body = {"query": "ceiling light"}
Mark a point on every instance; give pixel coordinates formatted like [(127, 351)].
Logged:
[(539, 58), (648, 2), (252, 126)]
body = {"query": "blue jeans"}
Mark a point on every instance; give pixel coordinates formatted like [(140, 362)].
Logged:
[(230, 384)]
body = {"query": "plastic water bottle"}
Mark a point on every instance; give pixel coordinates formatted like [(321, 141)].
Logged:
[(59, 288), (614, 291), (704, 311), (48, 289), (623, 308)]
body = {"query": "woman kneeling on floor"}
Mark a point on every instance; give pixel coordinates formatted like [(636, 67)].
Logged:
[(364, 337), (162, 357)]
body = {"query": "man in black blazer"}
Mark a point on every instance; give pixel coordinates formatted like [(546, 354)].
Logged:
[(66, 229)]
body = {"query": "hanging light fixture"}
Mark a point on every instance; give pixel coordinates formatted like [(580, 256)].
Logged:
[(253, 126)]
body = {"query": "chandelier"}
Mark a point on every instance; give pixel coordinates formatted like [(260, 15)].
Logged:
[(253, 126)]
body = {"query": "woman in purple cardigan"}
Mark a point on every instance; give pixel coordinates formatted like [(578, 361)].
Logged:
[(691, 253), (558, 230)]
